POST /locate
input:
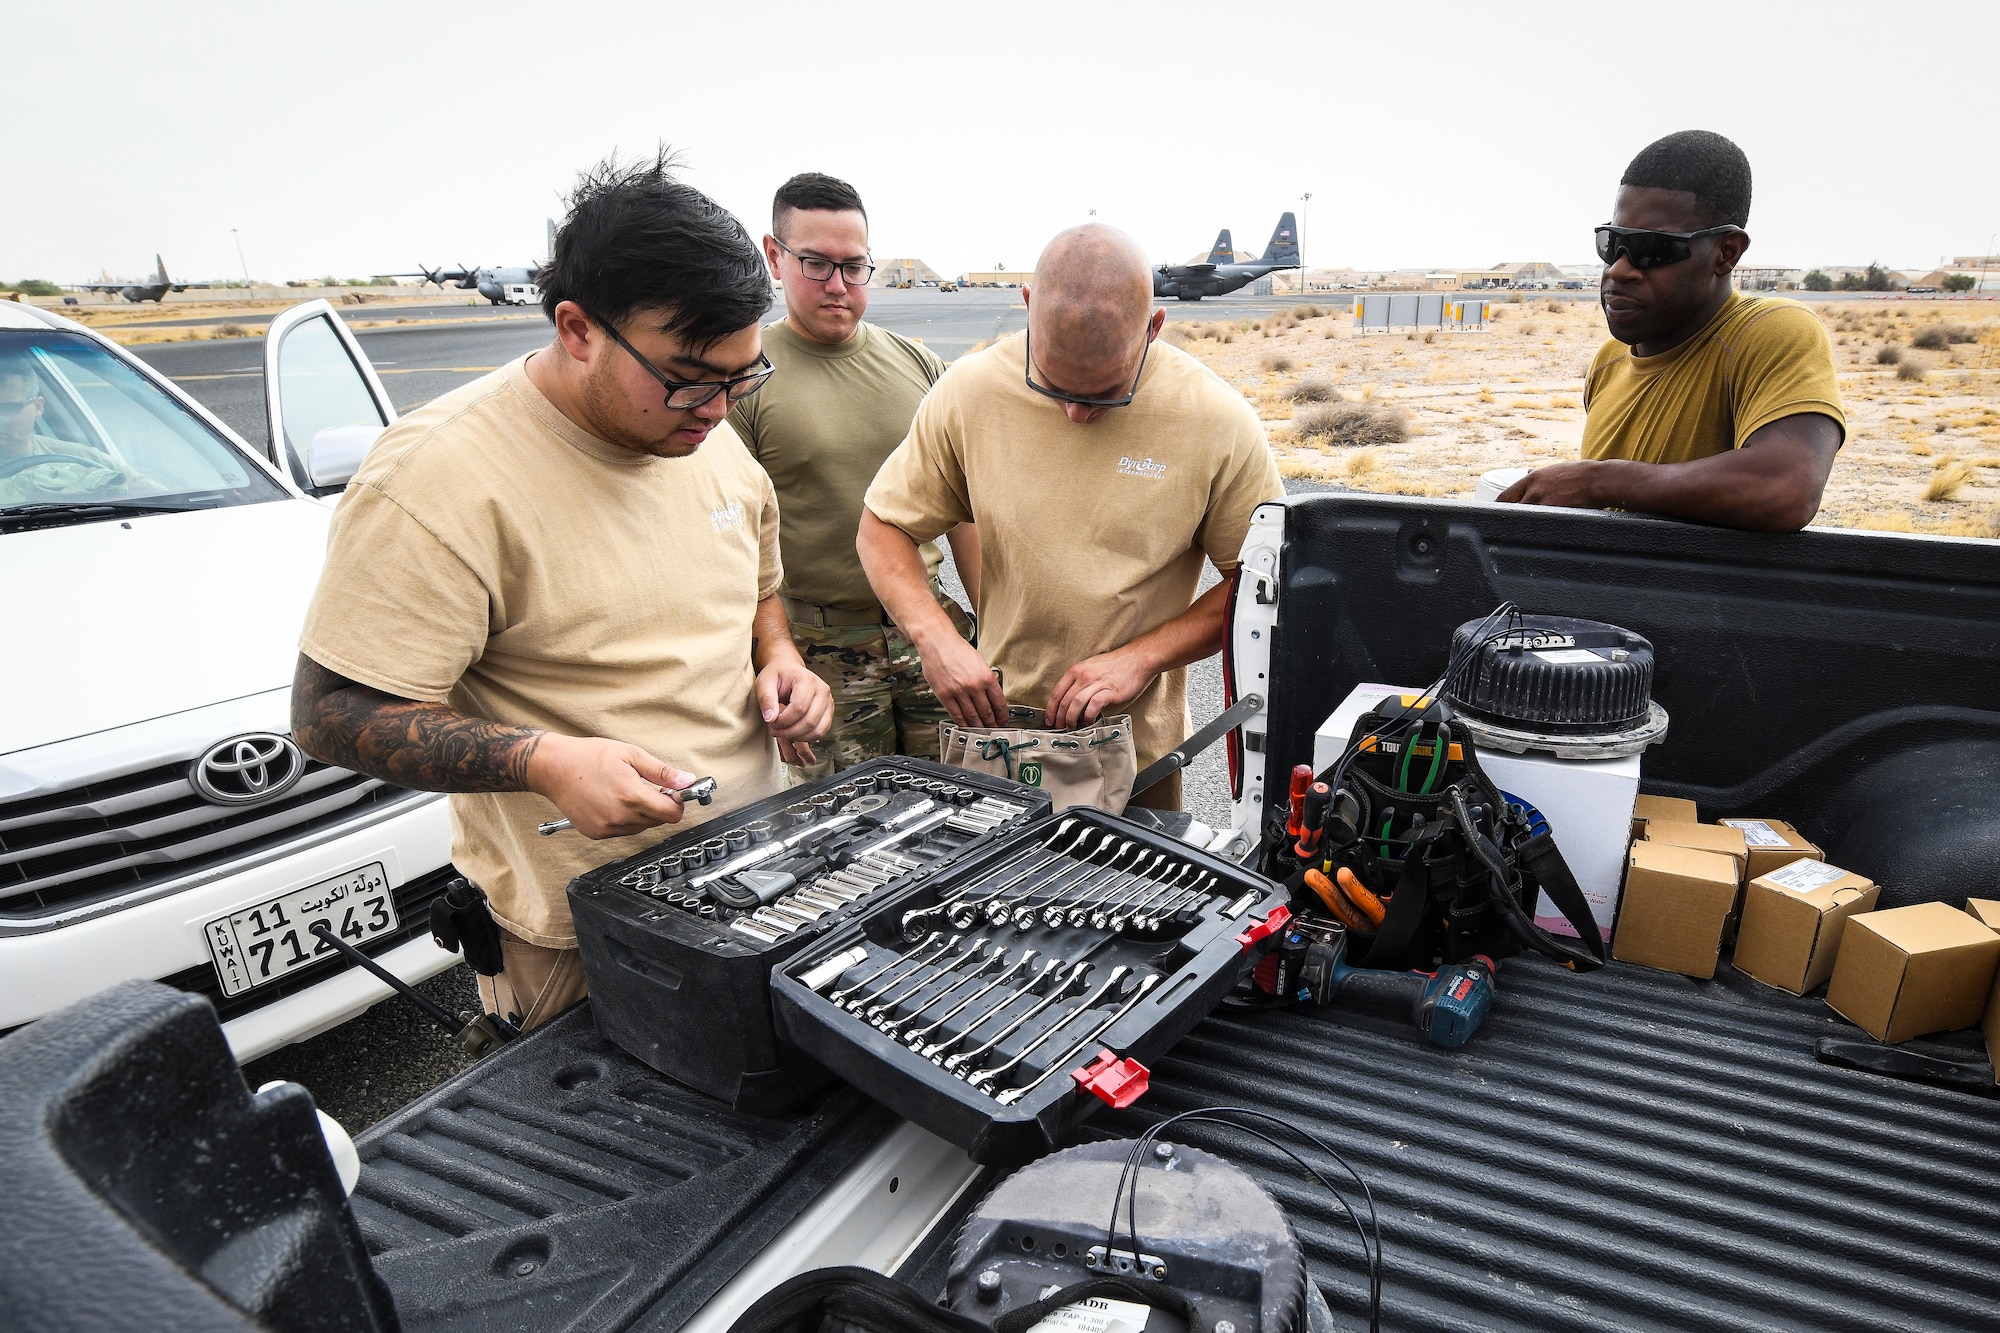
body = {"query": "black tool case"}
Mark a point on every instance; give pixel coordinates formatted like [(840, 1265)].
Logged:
[(901, 1004), (677, 982)]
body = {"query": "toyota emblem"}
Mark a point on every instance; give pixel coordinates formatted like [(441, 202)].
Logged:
[(244, 770)]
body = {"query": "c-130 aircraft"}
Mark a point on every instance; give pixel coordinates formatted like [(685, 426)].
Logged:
[(1191, 282)]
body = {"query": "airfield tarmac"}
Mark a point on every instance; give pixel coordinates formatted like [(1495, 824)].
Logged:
[(442, 347)]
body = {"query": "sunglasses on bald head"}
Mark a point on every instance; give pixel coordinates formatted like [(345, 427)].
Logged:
[(1651, 249)]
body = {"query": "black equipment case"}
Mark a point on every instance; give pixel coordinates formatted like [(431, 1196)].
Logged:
[(961, 1039), (681, 979)]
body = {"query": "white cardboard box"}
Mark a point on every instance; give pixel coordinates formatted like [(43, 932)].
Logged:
[(1588, 803)]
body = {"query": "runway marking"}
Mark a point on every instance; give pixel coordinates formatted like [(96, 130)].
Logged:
[(440, 370), (222, 375)]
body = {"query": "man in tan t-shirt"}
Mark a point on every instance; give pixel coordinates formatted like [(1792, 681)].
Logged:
[(1705, 404), (553, 592), (842, 399), (1101, 468)]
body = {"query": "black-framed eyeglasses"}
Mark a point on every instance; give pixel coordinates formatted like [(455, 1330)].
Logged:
[(683, 395), (855, 272), (1028, 374), (1651, 249)]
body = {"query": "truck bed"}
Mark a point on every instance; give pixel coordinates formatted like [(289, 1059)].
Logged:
[(559, 1183), (1626, 1149)]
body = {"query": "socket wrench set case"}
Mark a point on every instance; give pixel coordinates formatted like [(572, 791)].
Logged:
[(1001, 999), (678, 942)]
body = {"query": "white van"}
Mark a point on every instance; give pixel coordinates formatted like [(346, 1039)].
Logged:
[(156, 819)]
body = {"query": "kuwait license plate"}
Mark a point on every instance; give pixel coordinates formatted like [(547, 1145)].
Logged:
[(264, 942)]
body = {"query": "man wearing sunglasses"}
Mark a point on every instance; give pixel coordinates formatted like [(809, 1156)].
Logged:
[(1101, 468), (553, 592), (1707, 404), (842, 400)]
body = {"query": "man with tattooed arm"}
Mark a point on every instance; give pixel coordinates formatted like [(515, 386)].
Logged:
[(555, 591)]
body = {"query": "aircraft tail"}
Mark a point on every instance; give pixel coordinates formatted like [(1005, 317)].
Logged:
[(1283, 251), (1225, 249), (161, 266)]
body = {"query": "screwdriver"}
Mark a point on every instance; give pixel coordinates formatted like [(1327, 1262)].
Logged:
[(701, 790)]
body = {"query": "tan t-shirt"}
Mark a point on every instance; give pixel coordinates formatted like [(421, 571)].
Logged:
[(1760, 359), (493, 555), (821, 428), (1089, 535)]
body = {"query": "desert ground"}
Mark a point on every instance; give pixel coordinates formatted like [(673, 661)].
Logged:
[(1426, 413)]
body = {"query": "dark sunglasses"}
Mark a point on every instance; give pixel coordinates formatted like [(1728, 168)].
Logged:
[(683, 395), (1651, 249), (8, 409), (1028, 374)]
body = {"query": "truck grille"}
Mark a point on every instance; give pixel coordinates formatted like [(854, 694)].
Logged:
[(69, 849), (413, 920)]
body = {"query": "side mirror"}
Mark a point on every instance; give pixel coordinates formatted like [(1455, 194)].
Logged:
[(334, 455), (323, 401)]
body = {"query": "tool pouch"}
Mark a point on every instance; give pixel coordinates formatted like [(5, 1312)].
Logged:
[(1457, 865), (1092, 765), (462, 923)]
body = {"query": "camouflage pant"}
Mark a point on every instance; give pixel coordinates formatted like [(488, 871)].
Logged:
[(881, 704)]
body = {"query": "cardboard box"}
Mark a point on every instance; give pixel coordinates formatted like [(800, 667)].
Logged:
[(1678, 901), (1793, 920), (1772, 843), (1715, 838), (1914, 970), (1988, 911), (1670, 809)]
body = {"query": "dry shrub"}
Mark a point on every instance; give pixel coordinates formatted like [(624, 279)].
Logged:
[(1431, 337), (1910, 369), (1921, 448), (1889, 355), (1362, 464), (1352, 424), (1313, 389), (232, 331), (1562, 402), (1949, 476), (1527, 330), (1278, 363), (1485, 394)]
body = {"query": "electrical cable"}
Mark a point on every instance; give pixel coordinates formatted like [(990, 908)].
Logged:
[(1371, 1254)]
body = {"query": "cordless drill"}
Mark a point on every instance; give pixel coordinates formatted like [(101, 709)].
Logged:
[(1447, 1006)]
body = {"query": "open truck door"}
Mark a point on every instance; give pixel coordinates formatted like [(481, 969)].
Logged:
[(322, 398)]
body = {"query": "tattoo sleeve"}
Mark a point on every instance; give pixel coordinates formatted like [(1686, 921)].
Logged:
[(423, 746)]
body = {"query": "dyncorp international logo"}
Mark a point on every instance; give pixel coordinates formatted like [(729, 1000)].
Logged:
[(244, 770), (1142, 467)]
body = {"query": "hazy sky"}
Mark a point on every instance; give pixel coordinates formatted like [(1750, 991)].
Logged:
[(359, 138)]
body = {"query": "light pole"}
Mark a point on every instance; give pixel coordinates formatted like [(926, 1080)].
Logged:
[(241, 260), (1306, 200)]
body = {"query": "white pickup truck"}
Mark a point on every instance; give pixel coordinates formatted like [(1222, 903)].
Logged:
[(156, 819)]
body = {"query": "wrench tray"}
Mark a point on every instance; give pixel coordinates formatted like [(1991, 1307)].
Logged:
[(891, 1000), (688, 991)]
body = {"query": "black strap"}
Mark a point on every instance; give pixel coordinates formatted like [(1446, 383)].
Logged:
[(1402, 926), (1025, 1317), (1544, 860)]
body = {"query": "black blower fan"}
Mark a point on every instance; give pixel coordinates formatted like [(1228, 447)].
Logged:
[(1215, 1251), (1578, 689)]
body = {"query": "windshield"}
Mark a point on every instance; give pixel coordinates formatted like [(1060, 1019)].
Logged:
[(83, 436)]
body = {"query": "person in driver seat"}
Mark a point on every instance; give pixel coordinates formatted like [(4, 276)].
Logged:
[(67, 469)]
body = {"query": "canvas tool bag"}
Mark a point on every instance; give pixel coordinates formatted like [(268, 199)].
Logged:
[(1091, 765)]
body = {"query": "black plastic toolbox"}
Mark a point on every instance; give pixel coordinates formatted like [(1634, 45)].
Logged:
[(962, 1041), (676, 977)]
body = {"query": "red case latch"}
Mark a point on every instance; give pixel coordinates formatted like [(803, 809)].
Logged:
[(1117, 1083), (1276, 920)]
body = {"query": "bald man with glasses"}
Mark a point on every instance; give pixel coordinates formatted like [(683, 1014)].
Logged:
[(1102, 468)]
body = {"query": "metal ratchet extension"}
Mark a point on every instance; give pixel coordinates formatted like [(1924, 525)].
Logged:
[(701, 791), (1012, 1095)]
